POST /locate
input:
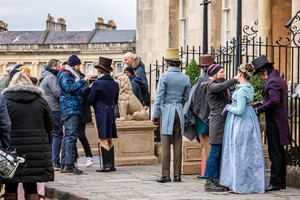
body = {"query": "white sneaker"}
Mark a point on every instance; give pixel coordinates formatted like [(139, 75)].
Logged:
[(89, 161), (76, 163)]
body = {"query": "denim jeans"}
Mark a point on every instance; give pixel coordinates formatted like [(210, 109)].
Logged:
[(57, 136), (212, 168), (70, 139)]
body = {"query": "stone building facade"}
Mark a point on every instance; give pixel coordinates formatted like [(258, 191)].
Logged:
[(178, 23), (36, 48)]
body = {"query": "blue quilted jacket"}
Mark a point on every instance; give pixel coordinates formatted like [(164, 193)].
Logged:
[(71, 93)]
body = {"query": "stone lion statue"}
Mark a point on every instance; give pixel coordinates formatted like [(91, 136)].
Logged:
[(130, 108)]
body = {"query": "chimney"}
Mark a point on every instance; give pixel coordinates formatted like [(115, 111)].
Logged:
[(50, 23), (100, 20), (3, 26), (112, 24), (100, 25), (61, 25)]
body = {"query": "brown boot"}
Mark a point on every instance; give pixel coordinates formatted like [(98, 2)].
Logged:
[(10, 196), (32, 197)]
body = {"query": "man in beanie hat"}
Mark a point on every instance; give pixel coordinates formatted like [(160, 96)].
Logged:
[(104, 97), (218, 96), (173, 89), (197, 109), (274, 105), (72, 91), (138, 88)]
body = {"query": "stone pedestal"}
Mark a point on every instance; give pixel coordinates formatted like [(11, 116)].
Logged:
[(191, 157), (135, 143)]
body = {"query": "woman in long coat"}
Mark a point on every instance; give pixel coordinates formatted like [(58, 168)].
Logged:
[(104, 97), (31, 126), (5, 124)]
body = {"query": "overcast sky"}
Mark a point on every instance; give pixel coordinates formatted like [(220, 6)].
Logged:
[(80, 15)]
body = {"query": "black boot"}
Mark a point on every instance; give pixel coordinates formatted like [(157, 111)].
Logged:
[(105, 160), (112, 158)]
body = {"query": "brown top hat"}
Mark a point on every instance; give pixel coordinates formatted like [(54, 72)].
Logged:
[(104, 63), (172, 54), (206, 60)]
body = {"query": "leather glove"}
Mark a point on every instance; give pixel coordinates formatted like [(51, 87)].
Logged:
[(155, 121)]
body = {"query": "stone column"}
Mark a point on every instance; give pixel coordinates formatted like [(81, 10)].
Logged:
[(214, 28), (1, 68), (265, 31), (173, 24), (295, 8), (265, 19), (35, 70)]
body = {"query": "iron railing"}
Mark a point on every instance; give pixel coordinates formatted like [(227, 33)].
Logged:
[(285, 56)]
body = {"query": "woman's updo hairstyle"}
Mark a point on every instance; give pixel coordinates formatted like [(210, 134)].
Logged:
[(247, 70)]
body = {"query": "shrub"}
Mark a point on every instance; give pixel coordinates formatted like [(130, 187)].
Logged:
[(192, 71), (258, 85)]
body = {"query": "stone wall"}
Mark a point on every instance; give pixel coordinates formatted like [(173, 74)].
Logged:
[(292, 176)]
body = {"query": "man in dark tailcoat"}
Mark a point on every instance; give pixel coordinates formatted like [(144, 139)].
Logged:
[(275, 106), (104, 97)]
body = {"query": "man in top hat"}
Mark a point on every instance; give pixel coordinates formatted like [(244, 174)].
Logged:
[(72, 90), (173, 89), (274, 105), (197, 109), (104, 97)]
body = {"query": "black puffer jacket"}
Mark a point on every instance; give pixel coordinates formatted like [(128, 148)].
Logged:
[(31, 126)]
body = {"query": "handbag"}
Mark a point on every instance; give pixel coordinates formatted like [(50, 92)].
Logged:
[(9, 163)]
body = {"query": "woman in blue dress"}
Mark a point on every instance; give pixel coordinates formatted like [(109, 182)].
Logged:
[(242, 165)]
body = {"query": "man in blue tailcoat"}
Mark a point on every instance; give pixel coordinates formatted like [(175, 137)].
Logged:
[(104, 97), (173, 89)]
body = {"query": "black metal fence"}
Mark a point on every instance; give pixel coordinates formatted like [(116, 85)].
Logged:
[(285, 56)]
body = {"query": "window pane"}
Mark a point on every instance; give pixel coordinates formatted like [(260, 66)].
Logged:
[(119, 67), (89, 69)]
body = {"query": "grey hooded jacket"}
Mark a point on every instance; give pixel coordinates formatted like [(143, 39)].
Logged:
[(48, 83)]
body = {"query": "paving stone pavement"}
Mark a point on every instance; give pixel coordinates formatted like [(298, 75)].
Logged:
[(139, 182)]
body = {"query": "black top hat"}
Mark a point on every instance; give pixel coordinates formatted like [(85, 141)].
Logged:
[(261, 62), (105, 63)]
